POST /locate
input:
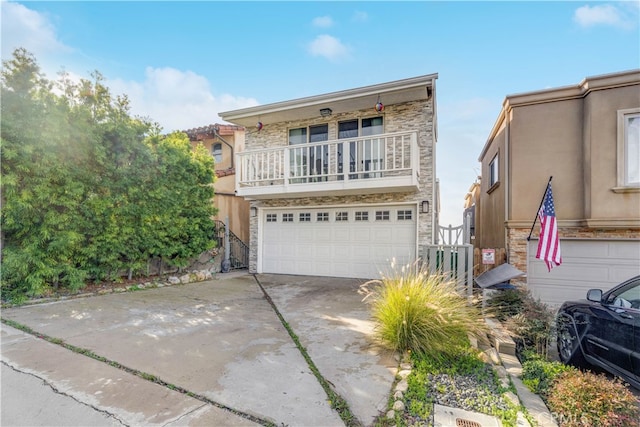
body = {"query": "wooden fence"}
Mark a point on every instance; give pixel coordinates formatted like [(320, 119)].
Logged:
[(479, 268)]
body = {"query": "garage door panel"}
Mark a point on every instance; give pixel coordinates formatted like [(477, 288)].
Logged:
[(382, 252), (362, 235), (320, 235), (287, 234), (305, 234), (626, 252), (402, 234), (586, 264), (285, 251), (349, 248), (341, 269), (383, 234)]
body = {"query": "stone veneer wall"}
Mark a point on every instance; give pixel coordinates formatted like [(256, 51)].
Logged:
[(517, 240), (414, 116)]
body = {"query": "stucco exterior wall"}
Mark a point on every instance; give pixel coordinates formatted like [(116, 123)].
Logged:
[(546, 140), (601, 132), (490, 231), (570, 133), (228, 205)]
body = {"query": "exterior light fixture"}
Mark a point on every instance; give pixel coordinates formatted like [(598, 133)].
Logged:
[(325, 112), (425, 206), (254, 211)]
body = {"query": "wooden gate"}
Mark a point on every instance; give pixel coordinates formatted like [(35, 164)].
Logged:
[(454, 262)]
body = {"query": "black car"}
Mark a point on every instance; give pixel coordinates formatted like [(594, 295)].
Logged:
[(604, 331)]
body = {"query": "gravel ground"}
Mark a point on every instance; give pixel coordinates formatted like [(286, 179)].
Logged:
[(471, 393)]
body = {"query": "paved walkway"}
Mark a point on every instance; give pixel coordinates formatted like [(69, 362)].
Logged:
[(221, 341)]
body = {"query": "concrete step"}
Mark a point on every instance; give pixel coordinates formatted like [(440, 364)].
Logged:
[(500, 338)]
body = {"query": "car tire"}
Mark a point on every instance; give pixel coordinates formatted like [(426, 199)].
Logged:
[(569, 349)]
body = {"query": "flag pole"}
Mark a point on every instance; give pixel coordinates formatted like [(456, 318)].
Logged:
[(546, 188)]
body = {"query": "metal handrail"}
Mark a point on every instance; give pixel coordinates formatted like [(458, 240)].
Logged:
[(239, 250)]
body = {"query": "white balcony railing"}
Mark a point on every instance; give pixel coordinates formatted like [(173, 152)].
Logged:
[(377, 163)]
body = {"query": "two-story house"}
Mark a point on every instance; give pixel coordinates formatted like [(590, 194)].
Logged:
[(587, 137), (223, 141), (340, 183)]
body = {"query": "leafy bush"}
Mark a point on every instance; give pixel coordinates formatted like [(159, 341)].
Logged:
[(529, 320), (89, 191), (586, 399), (539, 375), (506, 303), (420, 312)]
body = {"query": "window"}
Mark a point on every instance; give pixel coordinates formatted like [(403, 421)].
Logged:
[(287, 217), (364, 127), (306, 161), (305, 217), (348, 129), (493, 172), (627, 296), (216, 152), (362, 216), (297, 136), (372, 126), (382, 215), (319, 133), (628, 149), (272, 217), (364, 154), (404, 215), (322, 216), (342, 216)]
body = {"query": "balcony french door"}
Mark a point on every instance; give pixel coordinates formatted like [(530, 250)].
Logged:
[(310, 163)]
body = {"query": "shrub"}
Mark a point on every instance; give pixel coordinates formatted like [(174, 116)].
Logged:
[(534, 326), (586, 399), (539, 375), (507, 303), (421, 312)]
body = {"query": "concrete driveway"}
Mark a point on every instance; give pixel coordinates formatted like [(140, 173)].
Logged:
[(219, 349)]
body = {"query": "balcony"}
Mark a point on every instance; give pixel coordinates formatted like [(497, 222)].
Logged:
[(363, 165)]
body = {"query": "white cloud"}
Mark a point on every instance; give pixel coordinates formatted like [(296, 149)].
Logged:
[(178, 100), (328, 47), (323, 22), (607, 14), (23, 27), (360, 16)]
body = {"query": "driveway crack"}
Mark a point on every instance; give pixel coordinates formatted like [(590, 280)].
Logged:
[(186, 414), (61, 393), (338, 403), (144, 375)]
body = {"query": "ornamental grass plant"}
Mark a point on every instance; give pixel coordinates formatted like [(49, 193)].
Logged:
[(419, 311)]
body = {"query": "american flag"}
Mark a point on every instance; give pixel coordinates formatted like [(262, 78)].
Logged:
[(549, 243)]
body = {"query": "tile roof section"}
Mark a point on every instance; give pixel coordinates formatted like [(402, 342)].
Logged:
[(208, 132)]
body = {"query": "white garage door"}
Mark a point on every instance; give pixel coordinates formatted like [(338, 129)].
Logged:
[(586, 264), (356, 242)]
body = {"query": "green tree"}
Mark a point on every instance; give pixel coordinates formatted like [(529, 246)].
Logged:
[(88, 191)]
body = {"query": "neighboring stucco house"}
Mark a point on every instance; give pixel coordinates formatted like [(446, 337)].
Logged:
[(587, 137), (223, 141), (340, 183)]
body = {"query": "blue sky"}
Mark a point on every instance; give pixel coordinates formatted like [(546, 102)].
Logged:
[(181, 63)]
